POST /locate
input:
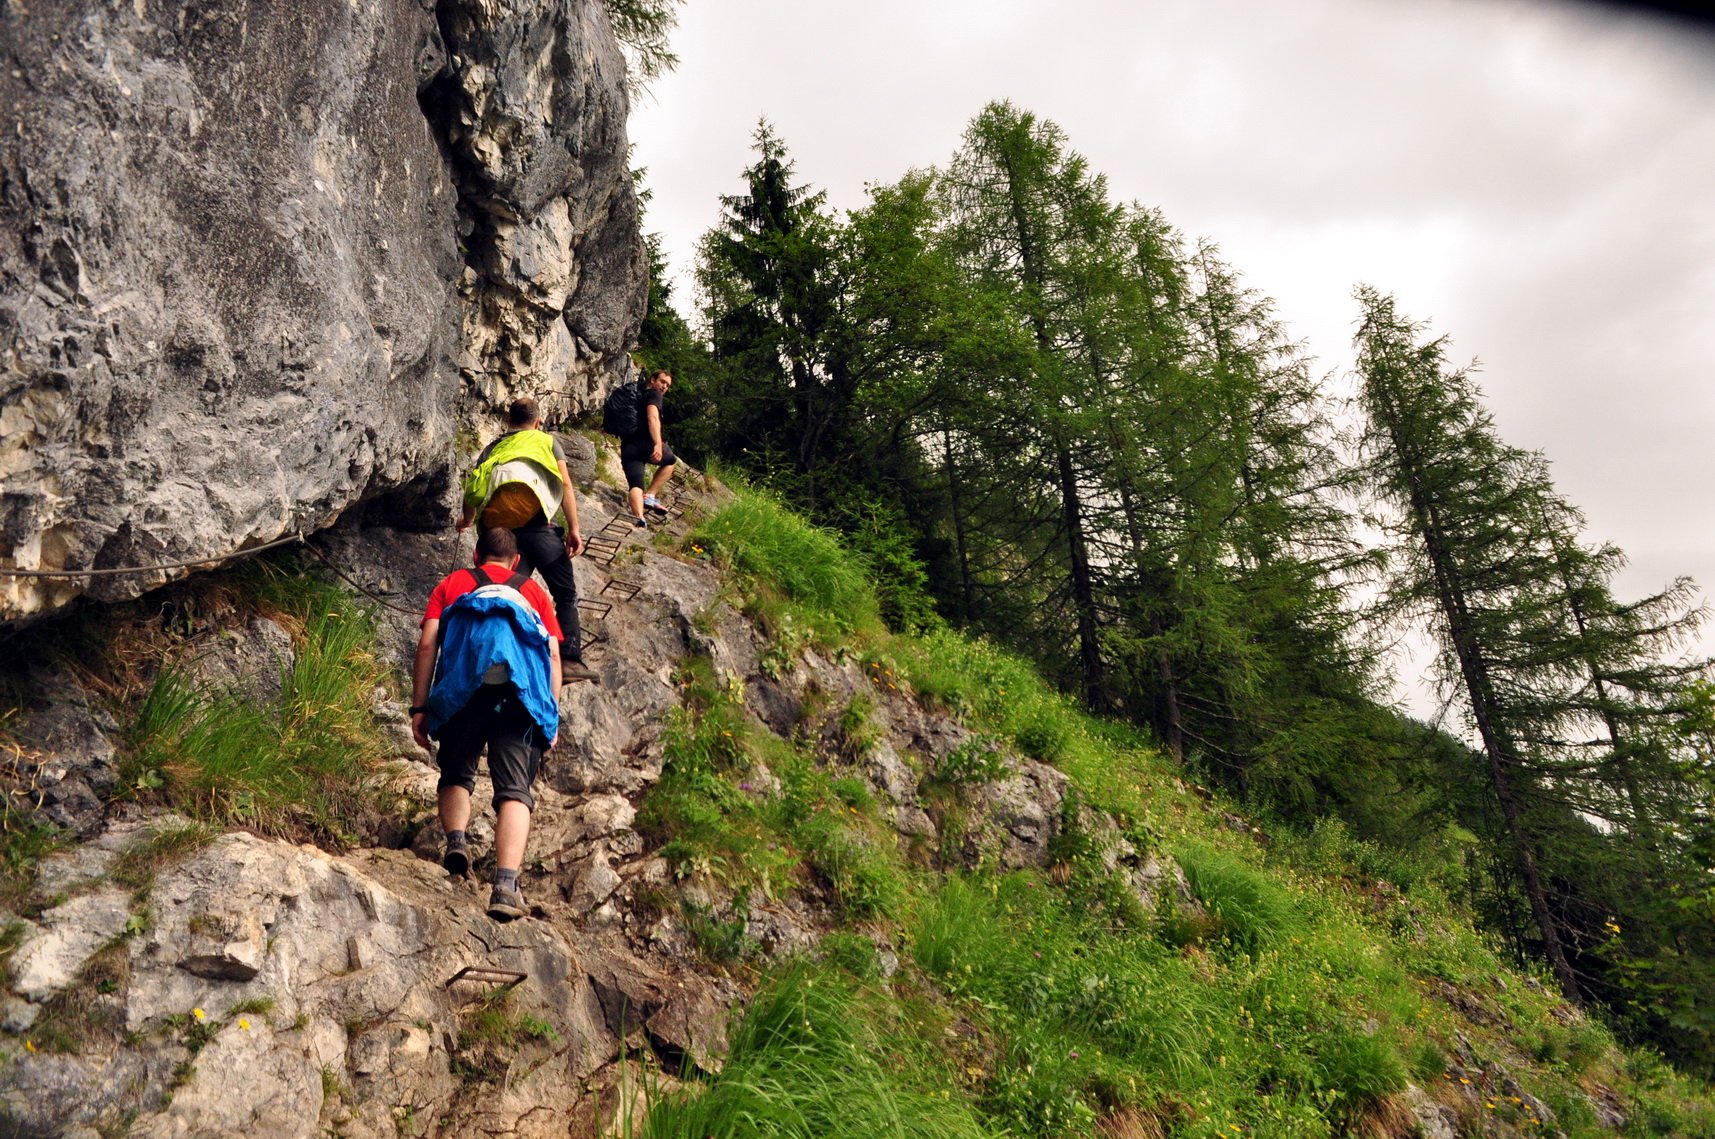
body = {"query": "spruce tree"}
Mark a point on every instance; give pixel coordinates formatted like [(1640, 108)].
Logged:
[(1568, 691)]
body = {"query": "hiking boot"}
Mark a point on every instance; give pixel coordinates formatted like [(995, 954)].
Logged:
[(456, 858), (653, 505), (504, 904), (574, 670)]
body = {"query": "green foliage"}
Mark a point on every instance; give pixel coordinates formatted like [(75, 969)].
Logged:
[(24, 841), (806, 1062), (493, 1034), (853, 952), (299, 762), (642, 28), (721, 940), (1254, 913), (825, 587)]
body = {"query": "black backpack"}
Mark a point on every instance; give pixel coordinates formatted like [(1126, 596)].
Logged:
[(622, 413)]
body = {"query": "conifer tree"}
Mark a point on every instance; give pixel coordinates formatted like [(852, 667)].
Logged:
[(1567, 690), (1033, 229)]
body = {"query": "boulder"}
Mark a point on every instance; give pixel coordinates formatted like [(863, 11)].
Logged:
[(260, 264)]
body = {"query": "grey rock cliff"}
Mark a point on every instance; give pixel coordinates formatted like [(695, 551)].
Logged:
[(259, 262)]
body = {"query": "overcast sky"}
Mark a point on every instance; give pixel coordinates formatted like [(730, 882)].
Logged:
[(1535, 178)]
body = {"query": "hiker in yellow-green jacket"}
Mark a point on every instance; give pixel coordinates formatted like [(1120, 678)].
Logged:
[(520, 483)]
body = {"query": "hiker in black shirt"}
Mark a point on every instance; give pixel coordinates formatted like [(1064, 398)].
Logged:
[(647, 446)]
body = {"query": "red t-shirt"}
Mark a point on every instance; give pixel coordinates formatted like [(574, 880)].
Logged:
[(458, 583)]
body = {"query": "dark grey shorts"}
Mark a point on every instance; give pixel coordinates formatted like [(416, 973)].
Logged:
[(496, 719), (634, 456)]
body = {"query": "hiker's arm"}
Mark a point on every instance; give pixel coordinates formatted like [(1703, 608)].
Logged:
[(472, 498), (422, 676), (653, 415), (569, 504), (555, 675)]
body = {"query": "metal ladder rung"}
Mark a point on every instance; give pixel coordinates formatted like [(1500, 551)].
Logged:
[(484, 975), (623, 590)]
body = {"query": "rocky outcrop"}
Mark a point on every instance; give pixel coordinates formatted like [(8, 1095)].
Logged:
[(258, 262), (331, 984), (532, 115)]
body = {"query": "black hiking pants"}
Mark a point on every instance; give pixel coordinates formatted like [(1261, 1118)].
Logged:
[(542, 549)]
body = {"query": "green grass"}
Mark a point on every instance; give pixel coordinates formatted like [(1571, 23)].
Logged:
[(24, 841), (1312, 979), (717, 817), (493, 1034), (136, 865), (299, 764), (800, 582), (808, 1062)]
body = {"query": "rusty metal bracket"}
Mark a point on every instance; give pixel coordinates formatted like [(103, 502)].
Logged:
[(623, 590), (601, 548), (483, 975), (596, 609)]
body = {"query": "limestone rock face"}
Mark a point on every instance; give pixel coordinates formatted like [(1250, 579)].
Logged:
[(532, 109), (259, 261)]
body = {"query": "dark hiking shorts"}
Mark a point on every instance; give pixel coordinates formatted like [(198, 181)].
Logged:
[(496, 719), (634, 456)]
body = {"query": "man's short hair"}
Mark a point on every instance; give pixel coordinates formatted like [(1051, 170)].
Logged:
[(658, 372), (523, 412), (497, 544)]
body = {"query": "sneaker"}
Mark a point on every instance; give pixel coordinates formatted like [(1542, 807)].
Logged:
[(574, 670), (457, 856), (653, 505), (639, 523), (504, 904)]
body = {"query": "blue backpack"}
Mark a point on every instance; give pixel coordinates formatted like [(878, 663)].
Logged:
[(489, 636)]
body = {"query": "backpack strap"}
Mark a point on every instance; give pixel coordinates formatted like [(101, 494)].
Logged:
[(478, 579)]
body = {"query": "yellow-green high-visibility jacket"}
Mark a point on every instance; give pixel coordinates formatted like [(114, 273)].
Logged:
[(522, 457)]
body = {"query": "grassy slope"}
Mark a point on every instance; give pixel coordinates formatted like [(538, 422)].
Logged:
[(1322, 978)]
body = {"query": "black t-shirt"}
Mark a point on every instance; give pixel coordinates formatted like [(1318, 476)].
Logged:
[(651, 398)]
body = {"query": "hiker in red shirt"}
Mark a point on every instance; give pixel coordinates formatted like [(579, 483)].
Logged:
[(497, 688)]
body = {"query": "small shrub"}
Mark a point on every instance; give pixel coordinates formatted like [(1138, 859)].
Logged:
[(721, 940), (858, 733), (1253, 910), (973, 762), (853, 952)]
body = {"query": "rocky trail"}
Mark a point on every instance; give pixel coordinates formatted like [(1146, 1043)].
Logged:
[(260, 987)]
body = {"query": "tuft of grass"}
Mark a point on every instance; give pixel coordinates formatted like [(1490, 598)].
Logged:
[(491, 1035), (137, 865), (24, 841), (806, 1063), (292, 766), (799, 573), (1253, 911)]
